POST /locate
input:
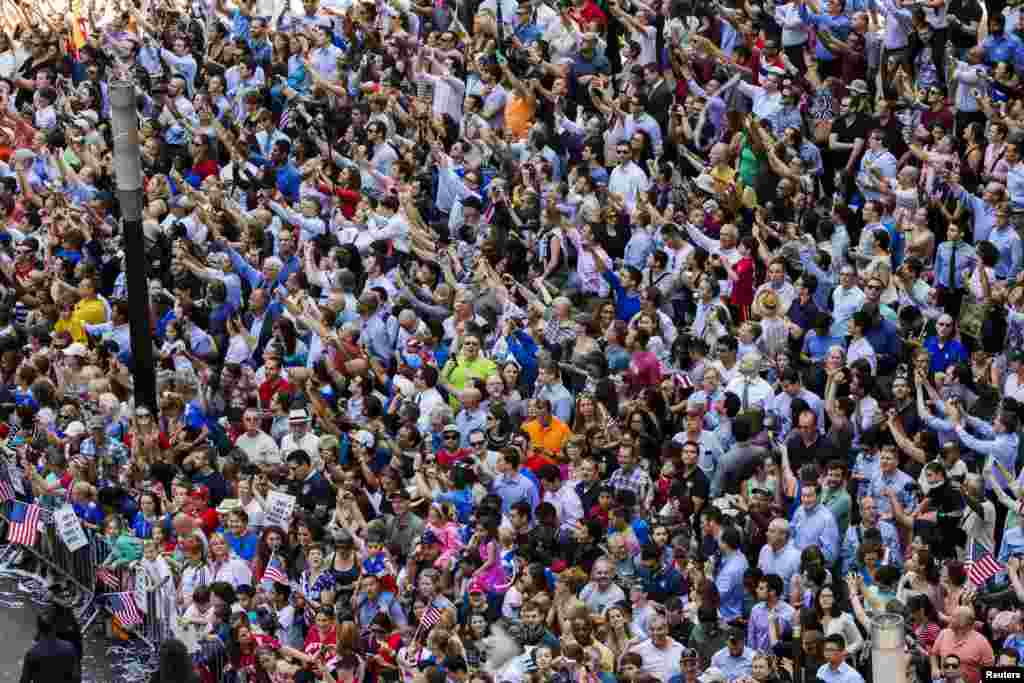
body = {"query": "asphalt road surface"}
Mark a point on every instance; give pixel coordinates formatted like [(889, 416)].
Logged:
[(104, 660)]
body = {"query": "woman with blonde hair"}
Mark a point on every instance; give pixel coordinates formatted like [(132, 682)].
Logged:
[(228, 567), (196, 570), (567, 585)]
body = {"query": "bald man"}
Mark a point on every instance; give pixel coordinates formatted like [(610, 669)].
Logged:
[(961, 639)]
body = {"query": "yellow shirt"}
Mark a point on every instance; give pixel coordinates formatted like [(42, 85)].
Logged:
[(63, 326), (86, 312), (457, 373), (725, 175), (550, 438)]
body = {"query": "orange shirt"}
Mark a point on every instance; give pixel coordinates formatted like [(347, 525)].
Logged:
[(519, 113), (550, 438)]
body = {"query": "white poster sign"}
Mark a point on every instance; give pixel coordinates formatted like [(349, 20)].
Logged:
[(279, 509), (69, 528)]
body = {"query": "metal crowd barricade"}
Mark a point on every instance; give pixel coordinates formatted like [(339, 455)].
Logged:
[(79, 571)]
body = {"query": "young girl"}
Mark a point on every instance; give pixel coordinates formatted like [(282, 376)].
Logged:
[(439, 521), (749, 333), (665, 480), (774, 334), (542, 661), (491, 575), (172, 353), (507, 539), (166, 544), (195, 622)]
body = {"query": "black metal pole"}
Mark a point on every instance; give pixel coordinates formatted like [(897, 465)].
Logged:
[(128, 172)]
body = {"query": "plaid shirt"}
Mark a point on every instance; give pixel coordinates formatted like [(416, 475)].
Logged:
[(557, 332), (636, 481)]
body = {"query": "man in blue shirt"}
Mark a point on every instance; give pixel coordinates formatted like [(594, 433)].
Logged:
[(778, 556), (835, 22), (526, 30), (624, 289), (770, 610), (952, 259), (999, 47), (1007, 243), (735, 660), (856, 535), (998, 440), (551, 389), (814, 524), (943, 347), (286, 175), (729, 580), (883, 336), (511, 486), (837, 670)]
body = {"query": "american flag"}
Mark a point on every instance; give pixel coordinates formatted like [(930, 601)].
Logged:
[(109, 578), (984, 569), (24, 523), (274, 572), (6, 491), (430, 617), (123, 607)]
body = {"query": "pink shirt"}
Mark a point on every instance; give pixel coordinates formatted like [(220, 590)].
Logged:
[(973, 649)]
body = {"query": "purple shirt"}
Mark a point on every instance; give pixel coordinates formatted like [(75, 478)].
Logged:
[(758, 632)]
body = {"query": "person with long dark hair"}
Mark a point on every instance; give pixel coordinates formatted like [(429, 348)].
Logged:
[(66, 626), (175, 664), (273, 543)]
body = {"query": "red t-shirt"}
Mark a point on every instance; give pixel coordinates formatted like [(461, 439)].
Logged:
[(446, 458), (589, 13), (204, 169), (537, 461), (271, 387), (743, 289)]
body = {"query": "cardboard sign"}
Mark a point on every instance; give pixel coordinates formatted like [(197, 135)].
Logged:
[(17, 478), (69, 528), (279, 509)]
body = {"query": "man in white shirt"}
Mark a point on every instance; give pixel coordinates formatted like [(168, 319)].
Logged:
[(778, 284), (257, 445), (383, 153), (1013, 385), (449, 91), (753, 391), (301, 438), (325, 55), (627, 179), (564, 498), (661, 654), (766, 99), (877, 166)]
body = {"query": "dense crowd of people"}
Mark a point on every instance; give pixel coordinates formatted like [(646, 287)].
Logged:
[(605, 340)]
